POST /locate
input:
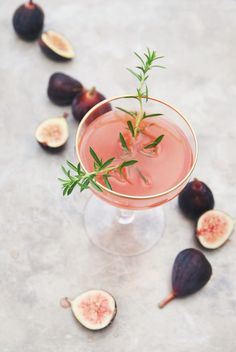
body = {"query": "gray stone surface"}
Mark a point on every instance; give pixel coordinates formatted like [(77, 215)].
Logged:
[(44, 252)]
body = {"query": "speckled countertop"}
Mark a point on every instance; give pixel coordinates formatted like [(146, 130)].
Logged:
[(44, 252)]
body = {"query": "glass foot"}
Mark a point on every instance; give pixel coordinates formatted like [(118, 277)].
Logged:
[(122, 232)]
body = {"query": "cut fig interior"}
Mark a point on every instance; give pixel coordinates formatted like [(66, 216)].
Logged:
[(56, 46), (52, 133), (94, 309), (214, 228)]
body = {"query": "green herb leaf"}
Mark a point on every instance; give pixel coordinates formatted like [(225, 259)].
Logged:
[(107, 163), (64, 170), (133, 114), (84, 184), (95, 157), (72, 166), (151, 115), (95, 185), (139, 57), (155, 143), (106, 181), (127, 163), (123, 143), (72, 186), (138, 76), (131, 127)]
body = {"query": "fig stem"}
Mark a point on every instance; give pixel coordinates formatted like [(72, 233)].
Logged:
[(92, 91), (168, 299)]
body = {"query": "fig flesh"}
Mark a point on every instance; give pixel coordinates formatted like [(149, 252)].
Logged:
[(195, 199), (82, 103), (56, 47), (214, 228), (53, 133), (94, 309), (62, 89), (28, 21), (191, 271)]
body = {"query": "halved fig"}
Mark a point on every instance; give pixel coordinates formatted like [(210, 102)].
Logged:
[(56, 47), (94, 309), (62, 88), (53, 133), (214, 228), (28, 21)]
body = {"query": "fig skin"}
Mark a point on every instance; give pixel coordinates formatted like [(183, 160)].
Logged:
[(28, 21), (87, 100), (51, 52), (62, 89), (195, 199), (191, 271)]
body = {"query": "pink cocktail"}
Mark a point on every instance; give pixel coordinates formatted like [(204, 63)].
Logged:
[(158, 176)]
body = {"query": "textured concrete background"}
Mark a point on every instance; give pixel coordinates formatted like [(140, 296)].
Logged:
[(44, 253)]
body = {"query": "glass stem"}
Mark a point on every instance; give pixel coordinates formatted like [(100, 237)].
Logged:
[(125, 216)]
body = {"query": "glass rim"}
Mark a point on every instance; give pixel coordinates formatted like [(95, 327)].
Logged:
[(127, 196)]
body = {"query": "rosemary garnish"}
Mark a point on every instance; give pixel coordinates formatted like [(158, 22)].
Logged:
[(154, 143), (123, 143), (131, 127), (86, 179), (147, 63)]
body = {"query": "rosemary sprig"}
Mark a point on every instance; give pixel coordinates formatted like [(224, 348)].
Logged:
[(131, 127), (123, 143), (131, 113), (88, 179), (147, 63), (154, 143)]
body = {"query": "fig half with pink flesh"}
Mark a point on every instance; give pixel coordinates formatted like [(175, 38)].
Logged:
[(214, 228), (94, 309), (53, 133), (191, 271)]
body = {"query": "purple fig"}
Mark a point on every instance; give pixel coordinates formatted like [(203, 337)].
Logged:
[(62, 88), (82, 103), (195, 199), (191, 271), (28, 21)]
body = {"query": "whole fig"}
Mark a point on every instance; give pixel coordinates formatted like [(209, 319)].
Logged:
[(62, 89), (28, 21), (191, 271), (195, 199)]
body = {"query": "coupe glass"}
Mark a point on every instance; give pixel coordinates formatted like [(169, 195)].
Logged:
[(122, 224)]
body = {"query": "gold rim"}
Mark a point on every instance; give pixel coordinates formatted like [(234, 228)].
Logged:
[(77, 139)]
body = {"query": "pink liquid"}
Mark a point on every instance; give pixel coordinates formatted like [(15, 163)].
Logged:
[(157, 170)]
